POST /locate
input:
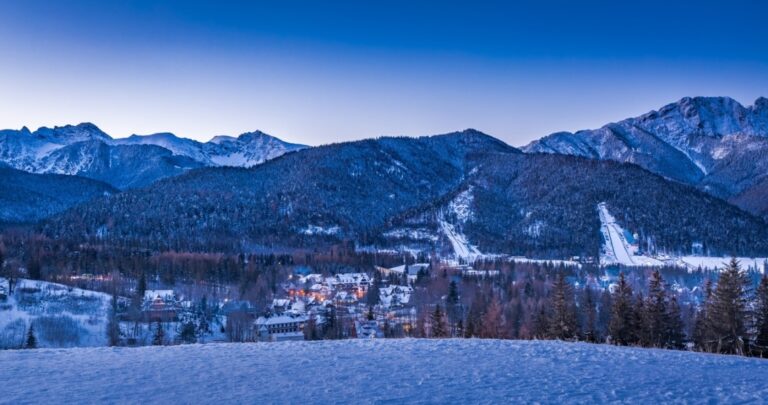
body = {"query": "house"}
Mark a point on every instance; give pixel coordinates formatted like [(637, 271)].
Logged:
[(159, 310), (411, 269), (160, 306), (349, 281), (395, 295), (167, 295), (280, 327), (368, 330), (236, 306)]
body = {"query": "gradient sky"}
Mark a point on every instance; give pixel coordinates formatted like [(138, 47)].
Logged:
[(317, 72)]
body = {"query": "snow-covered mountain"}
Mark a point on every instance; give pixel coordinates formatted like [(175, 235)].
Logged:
[(714, 143), (136, 161), (246, 150)]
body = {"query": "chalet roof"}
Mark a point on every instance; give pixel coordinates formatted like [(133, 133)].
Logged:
[(413, 269), (278, 319), (164, 294)]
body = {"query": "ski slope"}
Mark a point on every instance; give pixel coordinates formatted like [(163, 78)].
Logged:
[(617, 249), (461, 247), (380, 371)]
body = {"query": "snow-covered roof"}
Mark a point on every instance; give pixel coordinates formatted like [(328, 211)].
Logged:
[(279, 319), (164, 294), (413, 269), (352, 278)]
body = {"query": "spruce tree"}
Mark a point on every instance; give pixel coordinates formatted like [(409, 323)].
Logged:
[(34, 270), (604, 312), (702, 333), (31, 342), (492, 321), (655, 314), (562, 321), (621, 324), (439, 329), (639, 328), (453, 308), (374, 293), (589, 316), (187, 334), (760, 346), (113, 324), (674, 336), (728, 315), (159, 338)]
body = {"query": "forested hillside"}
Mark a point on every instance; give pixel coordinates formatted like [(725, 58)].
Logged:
[(547, 205), (27, 197), (523, 204)]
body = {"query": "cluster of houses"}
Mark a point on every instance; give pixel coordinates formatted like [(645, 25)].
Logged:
[(312, 298)]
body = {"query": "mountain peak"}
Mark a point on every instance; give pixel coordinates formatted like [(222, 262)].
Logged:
[(761, 103), (67, 134), (257, 134)]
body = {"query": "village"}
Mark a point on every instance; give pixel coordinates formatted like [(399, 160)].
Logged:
[(307, 306)]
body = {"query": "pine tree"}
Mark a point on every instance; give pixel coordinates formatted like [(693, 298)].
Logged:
[(639, 328), (113, 324), (562, 321), (31, 342), (374, 293), (621, 325), (760, 346), (453, 309), (492, 322), (159, 338), (540, 327), (674, 336), (589, 312), (655, 319), (34, 270), (702, 333), (439, 329), (604, 313), (138, 297), (187, 334), (728, 316)]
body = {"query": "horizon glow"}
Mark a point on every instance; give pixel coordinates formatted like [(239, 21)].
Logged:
[(321, 73)]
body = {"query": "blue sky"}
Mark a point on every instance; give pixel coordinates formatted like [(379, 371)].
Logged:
[(320, 72)]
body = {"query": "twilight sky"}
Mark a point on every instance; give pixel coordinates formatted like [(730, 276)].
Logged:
[(316, 72)]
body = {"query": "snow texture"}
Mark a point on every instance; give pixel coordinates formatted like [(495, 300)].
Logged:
[(381, 371)]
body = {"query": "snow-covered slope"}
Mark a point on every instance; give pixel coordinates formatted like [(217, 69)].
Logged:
[(246, 150), (714, 143), (381, 371), (136, 161), (62, 316)]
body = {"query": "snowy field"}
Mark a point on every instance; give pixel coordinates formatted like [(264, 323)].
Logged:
[(62, 316), (380, 371)]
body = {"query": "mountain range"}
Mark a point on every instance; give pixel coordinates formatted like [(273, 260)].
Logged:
[(693, 173), (415, 193), (712, 143), (137, 161)]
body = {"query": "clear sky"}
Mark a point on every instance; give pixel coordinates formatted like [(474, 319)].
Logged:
[(316, 72)]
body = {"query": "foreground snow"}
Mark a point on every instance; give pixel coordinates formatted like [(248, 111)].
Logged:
[(392, 371)]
